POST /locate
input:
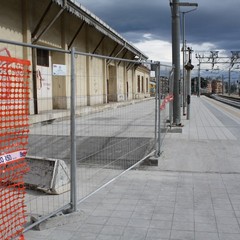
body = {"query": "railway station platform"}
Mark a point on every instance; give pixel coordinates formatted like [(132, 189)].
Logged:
[(193, 193)]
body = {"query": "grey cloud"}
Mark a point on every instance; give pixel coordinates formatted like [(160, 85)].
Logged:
[(214, 21)]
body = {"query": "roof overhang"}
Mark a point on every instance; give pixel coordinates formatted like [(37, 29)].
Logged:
[(84, 14)]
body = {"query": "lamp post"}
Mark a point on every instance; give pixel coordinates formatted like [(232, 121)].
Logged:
[(229, 80), (189, 67), (184, 52), (199, 79)]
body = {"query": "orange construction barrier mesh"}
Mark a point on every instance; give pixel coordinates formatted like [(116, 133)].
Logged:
[(14, 128)]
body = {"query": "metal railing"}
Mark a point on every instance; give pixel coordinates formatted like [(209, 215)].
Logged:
[(97, 139)]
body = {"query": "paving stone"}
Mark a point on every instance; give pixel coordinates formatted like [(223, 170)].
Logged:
[(206, 227), (112, 230), (108, 237), (114, 221), (91, 228), (134, 233), (156, 233), (84, 236), (122, 214), (160, 224), (228, 228), (184, 226), (229, 236), (135, 222), (182, 235), (206, 235)]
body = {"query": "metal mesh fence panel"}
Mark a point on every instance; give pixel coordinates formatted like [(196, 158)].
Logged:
[(14, 99), (111, 135), (101, 107), (111, 141), (166, 94), (49, 136)]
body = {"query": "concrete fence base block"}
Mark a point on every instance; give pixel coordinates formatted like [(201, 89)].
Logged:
[(175, 130), (49, 175), (151, 161), (58, 220)]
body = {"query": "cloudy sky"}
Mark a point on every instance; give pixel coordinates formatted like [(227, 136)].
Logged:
[(214, 25)]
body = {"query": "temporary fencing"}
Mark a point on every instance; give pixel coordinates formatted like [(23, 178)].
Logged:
[(14, 113), (93, 133)]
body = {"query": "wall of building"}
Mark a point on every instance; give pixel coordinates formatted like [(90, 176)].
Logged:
[(98, 80), (142, 76), (217, 86)]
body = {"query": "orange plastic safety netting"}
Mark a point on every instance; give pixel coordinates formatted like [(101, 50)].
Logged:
[(14, 128)]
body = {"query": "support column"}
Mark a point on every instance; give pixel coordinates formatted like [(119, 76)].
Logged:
[(189, 67), (176, 61)]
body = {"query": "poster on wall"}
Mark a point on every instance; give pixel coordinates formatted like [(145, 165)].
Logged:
[(59, 70), (44, 84)]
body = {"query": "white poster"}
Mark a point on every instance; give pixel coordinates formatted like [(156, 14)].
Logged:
[(44, 82), (59, 70)]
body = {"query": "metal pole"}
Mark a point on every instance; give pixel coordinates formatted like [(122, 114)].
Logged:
[(199, 80), (73, 199), (229, 81), (34, 67), (222, 84), (157, 110), (171, 92), (183, 74), (184, 49), (159, 113), (188, 78), (176, 60), (189, 67)]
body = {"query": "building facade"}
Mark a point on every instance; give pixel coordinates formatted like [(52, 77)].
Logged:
[(64, 24), (217, 87)]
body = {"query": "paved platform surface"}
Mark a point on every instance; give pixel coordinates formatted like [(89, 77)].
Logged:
[(194, 193)]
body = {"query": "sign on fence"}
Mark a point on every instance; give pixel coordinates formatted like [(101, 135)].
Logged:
[(14, 127)]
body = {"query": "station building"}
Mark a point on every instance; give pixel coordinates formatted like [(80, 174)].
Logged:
[(64, 24)]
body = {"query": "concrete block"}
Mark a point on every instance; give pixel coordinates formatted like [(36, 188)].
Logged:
[(58, 220), (175, 130), (151, 161), (47, 174)]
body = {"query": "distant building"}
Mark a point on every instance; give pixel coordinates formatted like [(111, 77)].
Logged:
[(217, 86), (164, 86), (141, 87), (209, 87), (152, 86)]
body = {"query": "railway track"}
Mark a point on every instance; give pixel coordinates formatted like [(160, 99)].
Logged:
[(232, 101)]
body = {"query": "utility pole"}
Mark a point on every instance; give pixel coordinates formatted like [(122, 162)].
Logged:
[(183, 73), (176, 61), (199, 79), (195, 5), (175, 4), (189, 67), (222, 84)]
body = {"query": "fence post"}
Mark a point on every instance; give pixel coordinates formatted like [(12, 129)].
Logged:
[(157, 111), (73, 190), (189, 67), (156, 68), (171, 76)]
